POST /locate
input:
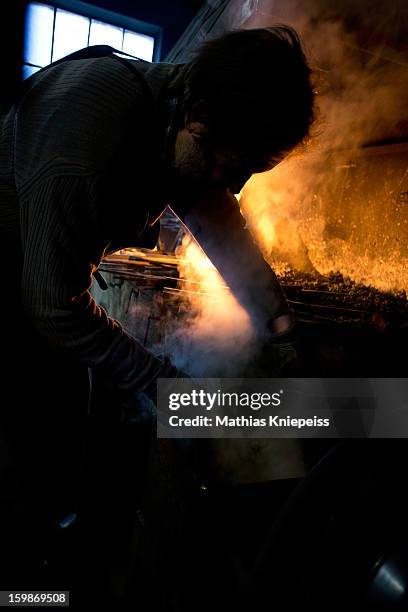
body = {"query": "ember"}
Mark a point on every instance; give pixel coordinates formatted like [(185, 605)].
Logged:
[(326, 216)]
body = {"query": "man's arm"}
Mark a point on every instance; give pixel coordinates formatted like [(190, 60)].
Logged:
[(216, 222), (59, 233)]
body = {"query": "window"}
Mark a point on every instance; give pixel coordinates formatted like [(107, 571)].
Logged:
[(55, 31)]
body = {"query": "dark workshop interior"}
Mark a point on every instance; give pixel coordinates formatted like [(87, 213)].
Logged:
[(235, 524)]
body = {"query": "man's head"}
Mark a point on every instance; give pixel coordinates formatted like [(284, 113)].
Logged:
[(248, 101)]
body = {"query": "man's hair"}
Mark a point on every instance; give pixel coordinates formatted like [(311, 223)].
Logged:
[(253, 90)]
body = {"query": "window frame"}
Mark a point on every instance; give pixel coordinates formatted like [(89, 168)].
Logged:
[(110, 18)]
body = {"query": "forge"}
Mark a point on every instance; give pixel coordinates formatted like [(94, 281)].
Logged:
[(173, 300), (331, 220), (250, 469), (337, 246)]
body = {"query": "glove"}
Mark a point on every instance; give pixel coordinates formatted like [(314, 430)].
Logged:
[(280, 354)]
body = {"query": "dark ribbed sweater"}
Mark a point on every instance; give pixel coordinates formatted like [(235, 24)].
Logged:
[(78, 177), (81, 171)]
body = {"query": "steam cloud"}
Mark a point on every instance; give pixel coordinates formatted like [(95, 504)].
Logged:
[(328, 208), (337, 207)]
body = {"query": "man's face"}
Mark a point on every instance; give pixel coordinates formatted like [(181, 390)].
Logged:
[(195, 162), (192, 160)]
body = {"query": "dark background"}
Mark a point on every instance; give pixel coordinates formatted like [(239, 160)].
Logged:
[(172, 15)]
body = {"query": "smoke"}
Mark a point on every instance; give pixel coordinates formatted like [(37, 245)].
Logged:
[(331, 207), (327, 208), (213, 335)]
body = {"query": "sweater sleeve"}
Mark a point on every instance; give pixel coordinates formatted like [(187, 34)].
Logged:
[(61, 250)]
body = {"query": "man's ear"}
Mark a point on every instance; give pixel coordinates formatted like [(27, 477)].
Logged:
[(196, 120)]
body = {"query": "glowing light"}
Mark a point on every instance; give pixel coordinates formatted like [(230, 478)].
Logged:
[(38, 40), (71, 33), (216, 311), (266, 232)]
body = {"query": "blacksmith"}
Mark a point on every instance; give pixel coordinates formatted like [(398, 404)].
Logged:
[(91, 152)]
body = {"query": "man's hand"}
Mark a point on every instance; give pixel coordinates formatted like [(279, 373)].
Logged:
[(140, 407), (279, 355), (166, 371)]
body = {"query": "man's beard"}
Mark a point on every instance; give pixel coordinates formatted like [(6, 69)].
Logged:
[(191, 162)]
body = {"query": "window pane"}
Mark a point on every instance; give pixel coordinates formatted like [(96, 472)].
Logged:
[(71, 33), (29, 70), (105, 34), (38, 33), (138, 45)]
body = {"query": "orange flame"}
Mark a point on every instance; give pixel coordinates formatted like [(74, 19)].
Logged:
[(217, 312)]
